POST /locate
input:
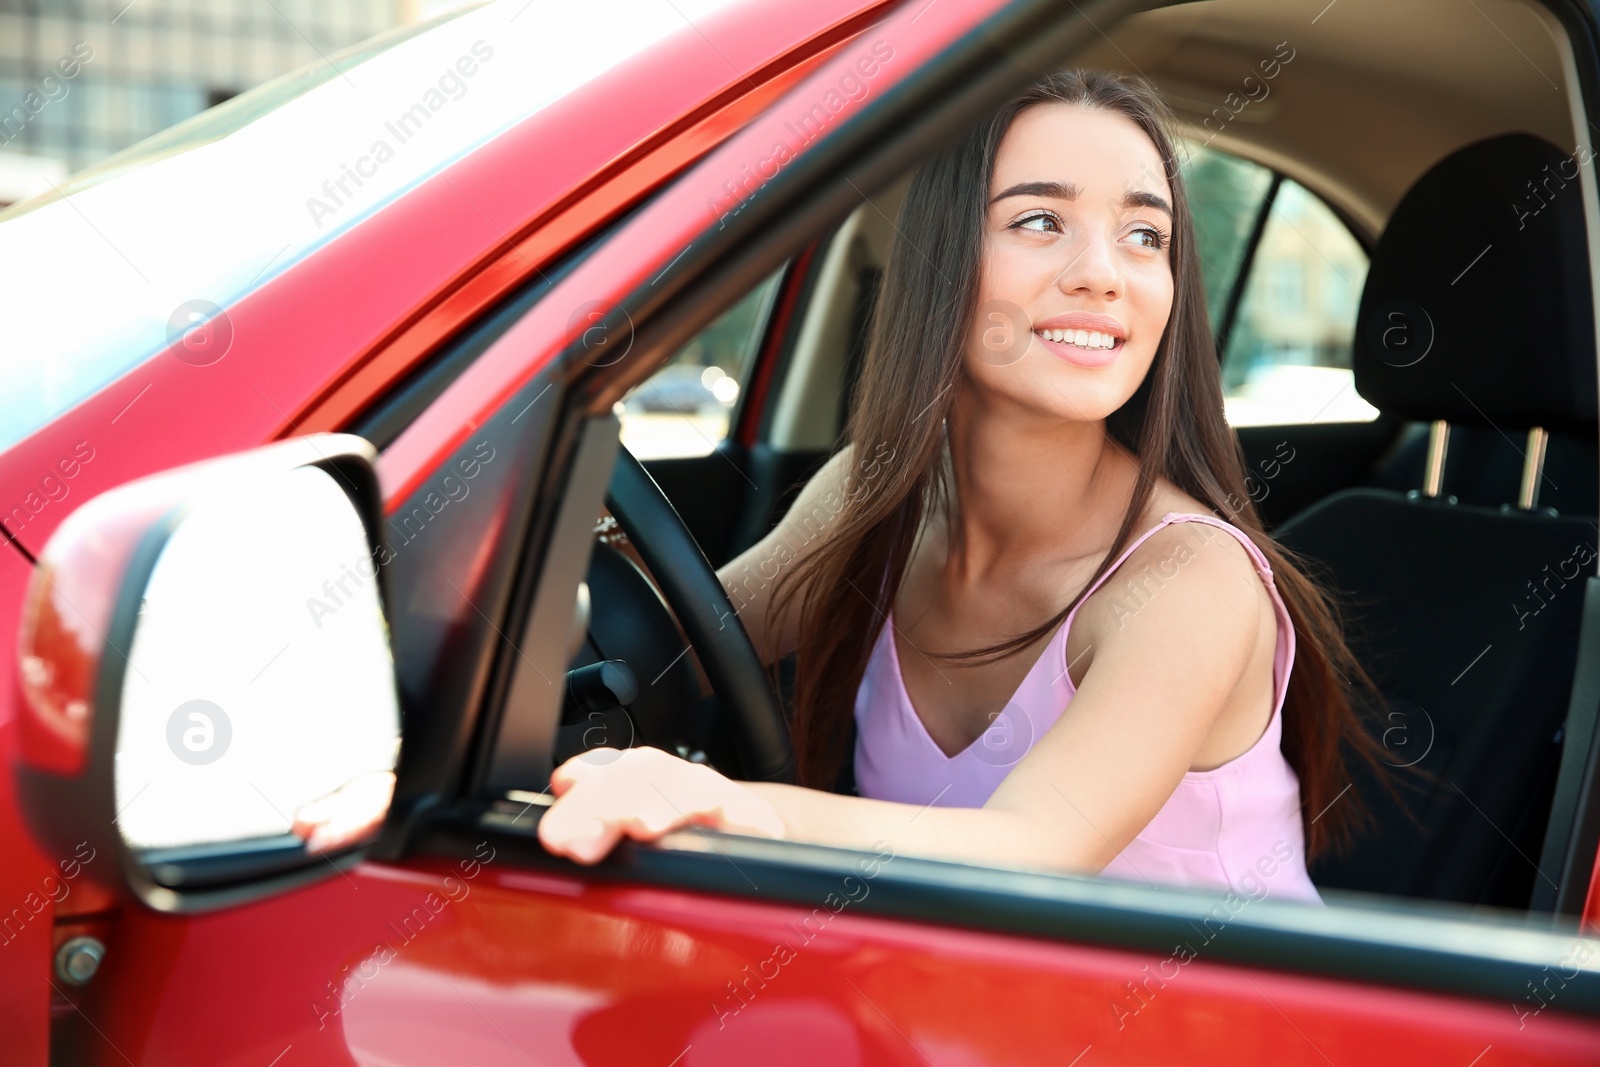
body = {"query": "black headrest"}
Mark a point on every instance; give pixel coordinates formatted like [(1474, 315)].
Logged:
[(1477, 307)]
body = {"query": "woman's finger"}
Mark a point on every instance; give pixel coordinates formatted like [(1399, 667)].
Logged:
[(591, 839), (593, 817), (347, 814), (572, 770), (583, 824), (625, 796)]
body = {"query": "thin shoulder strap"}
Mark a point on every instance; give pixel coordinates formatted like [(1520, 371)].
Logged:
[(1137, 541), (1259, 557), (1283, 657)]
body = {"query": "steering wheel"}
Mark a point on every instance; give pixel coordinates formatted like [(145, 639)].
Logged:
[(695, 595)]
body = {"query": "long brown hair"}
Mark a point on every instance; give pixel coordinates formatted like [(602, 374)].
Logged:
[(1173, 423)]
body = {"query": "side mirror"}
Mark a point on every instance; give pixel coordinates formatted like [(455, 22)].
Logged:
[(209, 697)]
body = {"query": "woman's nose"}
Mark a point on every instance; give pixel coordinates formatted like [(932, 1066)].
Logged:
[(1091, 266)]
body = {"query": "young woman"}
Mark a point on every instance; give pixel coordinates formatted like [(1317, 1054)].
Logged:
[(1034, 575)]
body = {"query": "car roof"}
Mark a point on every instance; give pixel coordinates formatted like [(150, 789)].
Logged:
[(1256, 78)]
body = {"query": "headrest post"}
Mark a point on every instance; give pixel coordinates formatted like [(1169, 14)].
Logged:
[(1532, 468), (1433, 473)]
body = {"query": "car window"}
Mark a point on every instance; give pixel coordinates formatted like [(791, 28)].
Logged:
[(1287, 358), (687, 406), (239, 111), (1288, 351), (1226, 193)]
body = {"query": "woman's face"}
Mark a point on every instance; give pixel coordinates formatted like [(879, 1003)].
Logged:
[(1076, 239)]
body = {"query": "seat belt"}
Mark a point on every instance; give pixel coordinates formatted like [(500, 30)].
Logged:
[(1573, 833)]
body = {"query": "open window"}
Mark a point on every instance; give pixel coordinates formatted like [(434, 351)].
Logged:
[(1261, 218), (688, 407), (1286, 267)]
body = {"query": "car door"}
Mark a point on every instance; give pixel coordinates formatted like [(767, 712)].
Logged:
[(460, 940)]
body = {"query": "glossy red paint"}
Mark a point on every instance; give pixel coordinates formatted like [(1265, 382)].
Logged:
[(24, 936), (755, 397), (65, 619), (611, 189), (475, 962), (1591, 905)]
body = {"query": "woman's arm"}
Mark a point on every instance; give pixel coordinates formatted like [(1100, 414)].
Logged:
[(644, 793), (750, 577), (1158, 680)]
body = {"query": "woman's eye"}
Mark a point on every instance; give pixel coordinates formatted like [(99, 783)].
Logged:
[(1150, 237), (1038, 224)]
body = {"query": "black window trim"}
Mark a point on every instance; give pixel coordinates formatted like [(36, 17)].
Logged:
[(1241, 276), (1390, 942)]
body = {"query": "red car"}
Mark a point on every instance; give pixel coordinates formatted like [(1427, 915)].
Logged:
[(356, 340)]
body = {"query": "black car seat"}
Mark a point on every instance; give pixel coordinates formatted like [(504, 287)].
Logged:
[(1477, 312)]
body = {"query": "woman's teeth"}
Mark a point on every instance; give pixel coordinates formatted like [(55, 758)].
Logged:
[(1081, 338)]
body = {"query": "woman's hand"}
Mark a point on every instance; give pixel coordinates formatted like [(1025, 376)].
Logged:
[(346, 815), (644, 793)]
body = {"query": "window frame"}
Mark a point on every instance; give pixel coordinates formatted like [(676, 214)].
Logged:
[(1241, 276), (1386, 941), (755, 346)]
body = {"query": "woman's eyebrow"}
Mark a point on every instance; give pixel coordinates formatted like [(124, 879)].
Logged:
[(1054, 190), (1140, 198), (1068, 191)]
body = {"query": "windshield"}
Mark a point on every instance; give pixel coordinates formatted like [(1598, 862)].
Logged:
[(232, 115), (100, 280)]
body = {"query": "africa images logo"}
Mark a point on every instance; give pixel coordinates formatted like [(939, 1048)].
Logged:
[(451, 85), (805, 127), (54, 86)]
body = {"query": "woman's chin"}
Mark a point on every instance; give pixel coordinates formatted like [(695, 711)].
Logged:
[(1073, 405), (1054, 389), (1079, 394)]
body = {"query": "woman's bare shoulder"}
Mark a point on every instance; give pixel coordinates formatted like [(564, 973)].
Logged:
[(1211, 559), (1167, 498)]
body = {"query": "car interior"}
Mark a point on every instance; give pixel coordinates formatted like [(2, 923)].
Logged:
[(1397, 221)]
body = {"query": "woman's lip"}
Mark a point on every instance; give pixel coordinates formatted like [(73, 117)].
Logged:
[(1082, 357), (1082, 320)]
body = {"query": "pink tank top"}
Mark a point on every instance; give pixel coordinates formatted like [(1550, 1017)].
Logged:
[(1235, 827)]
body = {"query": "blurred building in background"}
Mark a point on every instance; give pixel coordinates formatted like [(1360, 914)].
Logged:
[(83, 79)]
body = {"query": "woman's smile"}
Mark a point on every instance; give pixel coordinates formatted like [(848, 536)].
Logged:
[(1081, 338)]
